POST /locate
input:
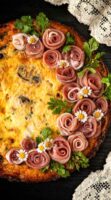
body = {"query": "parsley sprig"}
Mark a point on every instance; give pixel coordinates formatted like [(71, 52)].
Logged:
[(59, 169), (92, 56), (26, 24), (44, 134), (57, 106), (107, 82), (42, 22), (69, 41), (77, 161)]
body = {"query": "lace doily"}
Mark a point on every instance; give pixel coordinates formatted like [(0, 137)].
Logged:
[(97, 186), (95, 13)]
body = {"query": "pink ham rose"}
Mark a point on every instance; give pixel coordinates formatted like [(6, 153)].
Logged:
[(34, 50), (67, 124), (86, 105), (92, 80), (37, 160), (61, 151), (66, 75), (75, 57), (53, 38), (78, 141), (51, 58), (70, 92)]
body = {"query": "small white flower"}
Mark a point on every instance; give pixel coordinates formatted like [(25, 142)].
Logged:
[(81, 116), (32, 39), (41, 147), (22, 155), (63, 63), (48, 143), (85, 91), (98, 114)]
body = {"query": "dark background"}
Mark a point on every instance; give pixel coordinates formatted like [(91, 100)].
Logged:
[(63, 188)]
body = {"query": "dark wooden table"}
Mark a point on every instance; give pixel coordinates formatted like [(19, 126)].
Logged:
[(63, 188)]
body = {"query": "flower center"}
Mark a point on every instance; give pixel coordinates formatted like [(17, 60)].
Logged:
[(81, 116), (21, 155)]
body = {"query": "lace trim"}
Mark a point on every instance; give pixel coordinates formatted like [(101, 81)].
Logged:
[(97, 186), (95, 13)]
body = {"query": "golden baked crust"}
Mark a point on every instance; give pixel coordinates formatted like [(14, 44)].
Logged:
[(11, 128)]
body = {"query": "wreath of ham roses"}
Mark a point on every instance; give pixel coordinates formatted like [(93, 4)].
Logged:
[(83, 109)]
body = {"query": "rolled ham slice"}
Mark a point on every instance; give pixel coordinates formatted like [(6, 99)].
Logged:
[(28, 144), (12, 157), (102, 104), (70, 92), (67, 124), (93, 80), (34, 50), (75, 57), (77, 141), (90, 127), (61, 151), (37, 160), (53, 38), (51, 58), (66, 75), (19, 41), (86, 105)]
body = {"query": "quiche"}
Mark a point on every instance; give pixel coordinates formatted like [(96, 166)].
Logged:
[(54, 99)]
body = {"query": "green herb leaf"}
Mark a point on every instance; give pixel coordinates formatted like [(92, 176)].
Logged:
[(39, 139), (77, 161), (107, 81), (69, 39), (42, 21), (57, 105), (66, 48), (46, 132), (45, 169), (59, 169), (25, 24)]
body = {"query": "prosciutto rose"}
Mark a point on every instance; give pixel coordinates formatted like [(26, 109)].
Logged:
[(12, 157), (92, 80), (102, 104), (86, 105), (28, 144), (19, 41), (70, 92), (90, 127), (75, 57), (34, 50), (77, 141), (67, 124), (66, 75), (61, 151), (51, 58), (37, 160), (53, 38)]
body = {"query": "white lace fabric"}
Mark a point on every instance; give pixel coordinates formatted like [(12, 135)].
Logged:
[(95, 13), (97, 186)]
